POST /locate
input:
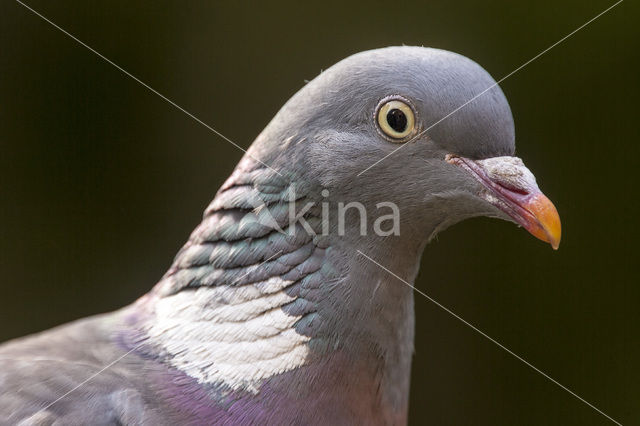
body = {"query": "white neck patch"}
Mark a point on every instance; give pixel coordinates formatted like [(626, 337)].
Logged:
[(237, 336)]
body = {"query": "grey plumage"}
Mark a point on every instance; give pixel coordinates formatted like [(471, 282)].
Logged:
[(263, 320)]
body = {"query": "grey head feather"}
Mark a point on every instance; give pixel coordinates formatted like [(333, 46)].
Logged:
[(437, 82)]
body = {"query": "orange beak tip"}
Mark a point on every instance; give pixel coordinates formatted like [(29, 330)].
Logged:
[(546, 225)]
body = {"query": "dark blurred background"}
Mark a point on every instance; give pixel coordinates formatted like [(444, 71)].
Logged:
[(101, 181)]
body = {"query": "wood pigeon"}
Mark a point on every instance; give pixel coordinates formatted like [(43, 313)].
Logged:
[(273, 312)]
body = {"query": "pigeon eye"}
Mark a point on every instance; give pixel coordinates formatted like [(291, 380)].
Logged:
[(396, 119)]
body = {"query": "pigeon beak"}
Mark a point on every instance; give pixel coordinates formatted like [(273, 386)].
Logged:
[(511, 187)]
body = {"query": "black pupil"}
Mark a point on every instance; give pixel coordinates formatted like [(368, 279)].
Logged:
[(397, 120)]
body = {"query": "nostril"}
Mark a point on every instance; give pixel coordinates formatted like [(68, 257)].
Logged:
[(511, 188)]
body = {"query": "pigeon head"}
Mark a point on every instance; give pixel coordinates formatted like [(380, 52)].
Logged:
[(425, 129)]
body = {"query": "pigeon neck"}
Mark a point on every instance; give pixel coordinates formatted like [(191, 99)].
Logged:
[(252, 299)]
